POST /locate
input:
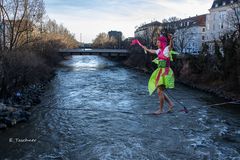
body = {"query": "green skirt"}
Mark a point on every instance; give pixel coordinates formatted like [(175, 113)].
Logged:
[(161, 77)]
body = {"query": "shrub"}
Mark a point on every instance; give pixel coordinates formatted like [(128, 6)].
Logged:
[(21, 68)]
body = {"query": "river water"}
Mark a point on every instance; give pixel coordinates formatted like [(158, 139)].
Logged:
[(95, 109)]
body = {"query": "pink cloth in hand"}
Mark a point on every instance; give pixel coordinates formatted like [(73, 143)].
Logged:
[(135, 41)]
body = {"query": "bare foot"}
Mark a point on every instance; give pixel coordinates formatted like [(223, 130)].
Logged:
[(157, 112), (170, 107)]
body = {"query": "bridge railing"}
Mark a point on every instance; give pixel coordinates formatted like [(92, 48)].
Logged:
[(102, 52)]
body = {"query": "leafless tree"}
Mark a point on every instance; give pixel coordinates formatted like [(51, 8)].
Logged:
[(170, 25), (104, 41), (154, 36), (231, 47), (234, 16), (19, 18), (182, 38)]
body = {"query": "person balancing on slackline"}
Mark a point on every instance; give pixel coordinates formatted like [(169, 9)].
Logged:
[(163, 76)]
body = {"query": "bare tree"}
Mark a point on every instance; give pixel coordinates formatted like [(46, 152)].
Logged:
[(154, 36), (170, 25), (231, 48), (20, 17), (104, 41), (234, 16), (182, 39), (100, 40)]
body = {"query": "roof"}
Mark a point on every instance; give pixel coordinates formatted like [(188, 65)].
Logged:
[(145, 26), (155, 23), (221, 3), (187, 22), (197, 20)]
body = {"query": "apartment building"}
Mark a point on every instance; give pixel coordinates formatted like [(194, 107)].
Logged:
[(146, 31), (190, 34), (220, 20)]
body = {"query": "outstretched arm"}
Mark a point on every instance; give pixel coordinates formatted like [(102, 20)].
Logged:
[(149, 50)]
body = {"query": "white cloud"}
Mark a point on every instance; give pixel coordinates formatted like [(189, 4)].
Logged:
[(90, 20)]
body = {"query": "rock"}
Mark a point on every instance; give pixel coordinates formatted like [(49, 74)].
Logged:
[(11, 109), (26, 114), (26, 107), (36, 101), (20, 114), (17, 106), (4, 113), (3, 107), (21, 119), (3, 126), (16, 114), (9, 122)]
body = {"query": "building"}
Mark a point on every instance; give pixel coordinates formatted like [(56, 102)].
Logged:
[(219, 21), (116, 35), (147, 29), (1, 36), (190, 34)]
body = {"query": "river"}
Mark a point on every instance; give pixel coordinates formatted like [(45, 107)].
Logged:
[(95, 109)]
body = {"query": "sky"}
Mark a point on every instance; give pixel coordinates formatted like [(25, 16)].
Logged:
[(87, 18)]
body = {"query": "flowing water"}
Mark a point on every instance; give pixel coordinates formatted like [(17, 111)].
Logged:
[(95, 109)]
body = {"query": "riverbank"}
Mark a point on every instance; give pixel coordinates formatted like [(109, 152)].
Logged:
[(25, 73), (184, 76), (17, 109)]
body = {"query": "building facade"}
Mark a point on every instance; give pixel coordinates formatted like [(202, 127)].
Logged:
[(190, 34), (117, 35), (219, 21), (147, 31)]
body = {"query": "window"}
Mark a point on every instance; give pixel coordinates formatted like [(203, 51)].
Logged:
[(222, 15), (203, 38), (203, 29), (208, 27), (221, 25), (213, 26)]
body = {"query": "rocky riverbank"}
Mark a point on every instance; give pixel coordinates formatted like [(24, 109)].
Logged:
[(213, 89), (17, 108)]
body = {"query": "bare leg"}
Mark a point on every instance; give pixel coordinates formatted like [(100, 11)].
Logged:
[(170, 103), (161, 98)]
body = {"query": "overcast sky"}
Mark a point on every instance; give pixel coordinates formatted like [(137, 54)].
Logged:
[(91, 17)]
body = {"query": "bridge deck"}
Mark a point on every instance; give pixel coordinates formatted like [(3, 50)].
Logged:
[(103, 52)]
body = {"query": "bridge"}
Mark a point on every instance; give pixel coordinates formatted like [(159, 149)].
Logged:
[(101, 52)]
